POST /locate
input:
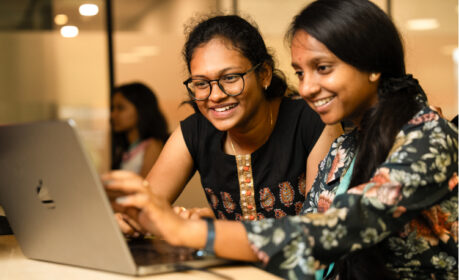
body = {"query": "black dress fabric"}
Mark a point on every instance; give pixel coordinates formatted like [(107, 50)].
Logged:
[(278, 166)]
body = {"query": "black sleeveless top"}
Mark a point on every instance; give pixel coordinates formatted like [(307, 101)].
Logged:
[(268, 183)]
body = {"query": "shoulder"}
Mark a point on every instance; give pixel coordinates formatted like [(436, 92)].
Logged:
[(195, 119), (426, 132), (195, 123), (191, 119), (428, 121), (152, 144)]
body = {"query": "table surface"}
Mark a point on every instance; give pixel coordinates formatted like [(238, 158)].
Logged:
[(14, 265)]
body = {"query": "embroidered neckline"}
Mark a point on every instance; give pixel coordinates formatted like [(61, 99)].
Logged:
[(246, 187)]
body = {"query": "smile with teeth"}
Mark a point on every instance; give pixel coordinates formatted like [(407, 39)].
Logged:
[(226, 108), (322, 102)]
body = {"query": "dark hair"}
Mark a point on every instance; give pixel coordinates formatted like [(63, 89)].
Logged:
[(151, 121), (362, 35), (245, 37)]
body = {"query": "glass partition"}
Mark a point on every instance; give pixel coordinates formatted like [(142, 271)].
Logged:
[(55, 66)]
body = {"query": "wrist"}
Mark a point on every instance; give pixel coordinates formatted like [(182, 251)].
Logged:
[(208, 250), (188, 233)]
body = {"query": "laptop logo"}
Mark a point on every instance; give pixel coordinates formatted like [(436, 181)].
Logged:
[(44, 196)]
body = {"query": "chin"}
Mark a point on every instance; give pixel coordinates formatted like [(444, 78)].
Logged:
[(330, 120), (222, 125), (118, 129)]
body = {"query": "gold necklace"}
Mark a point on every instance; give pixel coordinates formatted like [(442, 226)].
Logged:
[(270, 122), (270, 116), (232, 146)]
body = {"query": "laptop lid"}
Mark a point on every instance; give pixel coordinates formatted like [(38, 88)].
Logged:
[(58, 209)]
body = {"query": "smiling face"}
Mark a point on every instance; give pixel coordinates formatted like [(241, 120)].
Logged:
[(123, 114), (213, 60), (334, 89)]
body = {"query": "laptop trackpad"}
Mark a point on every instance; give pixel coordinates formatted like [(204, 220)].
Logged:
[(148, 251)]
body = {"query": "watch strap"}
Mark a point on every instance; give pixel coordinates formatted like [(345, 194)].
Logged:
[(208, 250)]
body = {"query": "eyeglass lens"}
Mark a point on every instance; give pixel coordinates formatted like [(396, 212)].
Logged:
[(231, 84)]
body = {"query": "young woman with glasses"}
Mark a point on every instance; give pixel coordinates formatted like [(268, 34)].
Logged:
[(249, 143), (384, 203)]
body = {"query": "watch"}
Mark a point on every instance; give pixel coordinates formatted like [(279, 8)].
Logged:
[(208, 250)]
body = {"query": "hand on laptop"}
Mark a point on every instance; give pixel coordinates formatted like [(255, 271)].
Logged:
[(129, 226), (193, 213), (130, 195)]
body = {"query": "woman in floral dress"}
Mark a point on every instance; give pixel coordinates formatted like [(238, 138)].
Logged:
[(384, 204)]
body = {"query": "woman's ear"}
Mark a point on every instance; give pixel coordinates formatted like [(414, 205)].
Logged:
[(265, 74), (374, 77)]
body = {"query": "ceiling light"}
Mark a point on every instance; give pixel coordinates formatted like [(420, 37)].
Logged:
[(423, 24), (61, 19), (89, 10), (146, 50), (69, 31)]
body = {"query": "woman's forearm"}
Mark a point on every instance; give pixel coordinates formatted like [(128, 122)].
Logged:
[(230, 239)]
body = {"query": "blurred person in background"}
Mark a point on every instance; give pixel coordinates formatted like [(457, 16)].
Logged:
[(138, 128)]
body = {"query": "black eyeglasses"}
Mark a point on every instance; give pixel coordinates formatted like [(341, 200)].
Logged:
[(231, 84)]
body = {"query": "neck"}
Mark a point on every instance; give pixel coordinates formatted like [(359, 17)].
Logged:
[(252, 136), (132, 136)]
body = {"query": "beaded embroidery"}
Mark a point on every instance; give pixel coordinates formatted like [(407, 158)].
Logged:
[(267, 199), (286, 193), (302, 184), (221, 216), (279, 213), (244, 172), (213, 198), (298, 207), (228, 202)]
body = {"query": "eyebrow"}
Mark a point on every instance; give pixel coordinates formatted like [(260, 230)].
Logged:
[(313, 61), (294, 65)]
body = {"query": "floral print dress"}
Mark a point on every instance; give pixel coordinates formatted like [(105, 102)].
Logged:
[(409, 208)]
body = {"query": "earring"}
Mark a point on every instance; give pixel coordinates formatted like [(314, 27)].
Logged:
[(373, 77)]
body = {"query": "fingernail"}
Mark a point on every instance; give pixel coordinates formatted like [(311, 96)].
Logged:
[(121, 199)]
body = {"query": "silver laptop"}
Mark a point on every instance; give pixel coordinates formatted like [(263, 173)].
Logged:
[(59, 212)]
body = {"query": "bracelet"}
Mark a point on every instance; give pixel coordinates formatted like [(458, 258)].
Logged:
[(208, 250)]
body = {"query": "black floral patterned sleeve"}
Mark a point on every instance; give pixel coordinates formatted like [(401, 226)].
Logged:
[(409, 208)]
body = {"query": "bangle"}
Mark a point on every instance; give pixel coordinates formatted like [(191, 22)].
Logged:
[(208, 250)]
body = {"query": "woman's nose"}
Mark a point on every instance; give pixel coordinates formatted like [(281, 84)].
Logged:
[(216, 93), (309, 87)]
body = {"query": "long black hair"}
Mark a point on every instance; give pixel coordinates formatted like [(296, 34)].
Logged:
[(151, 122), (362, 35), (244, 37)]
